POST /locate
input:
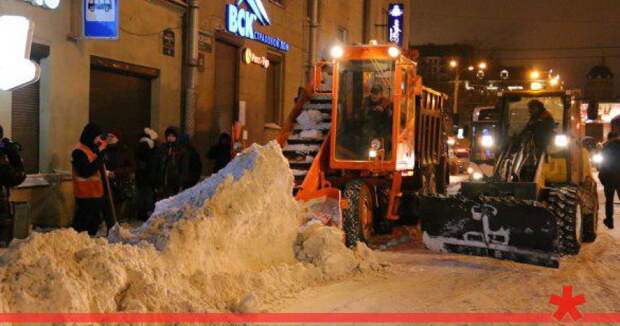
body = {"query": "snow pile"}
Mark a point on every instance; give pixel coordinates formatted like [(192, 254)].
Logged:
[(309, 118), (230, 243), (311, 134)]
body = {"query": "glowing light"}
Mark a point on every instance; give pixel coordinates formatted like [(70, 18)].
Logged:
[(534, 74), (482, 65), (554, 82), (487, 141), (536, 86), (337, 52), (597, 158), (451, 141), (561, 141), (470, 170), (394, 52), (454, 63), (15, 68), (477, 176), (372, 153)]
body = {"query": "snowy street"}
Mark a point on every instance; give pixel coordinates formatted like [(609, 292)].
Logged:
[(423, 281)]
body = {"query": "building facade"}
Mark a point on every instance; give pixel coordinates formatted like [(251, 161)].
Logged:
[(138, 79), (233, 88)]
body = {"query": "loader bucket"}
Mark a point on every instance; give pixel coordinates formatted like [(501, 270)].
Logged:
[(324, 205), (498, 227)]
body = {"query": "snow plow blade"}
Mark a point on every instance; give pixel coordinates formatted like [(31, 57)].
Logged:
[(500, 227)]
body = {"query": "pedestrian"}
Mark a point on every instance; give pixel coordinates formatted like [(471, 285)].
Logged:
[(171, 164), (11, 174), (221, 153), (147, 173), (119, 164), (609, 175), (191, 165), (87, 161)]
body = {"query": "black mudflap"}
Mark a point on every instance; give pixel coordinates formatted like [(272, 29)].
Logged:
[(498, 227)]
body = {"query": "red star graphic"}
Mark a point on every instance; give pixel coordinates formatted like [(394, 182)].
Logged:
[(567, 304)]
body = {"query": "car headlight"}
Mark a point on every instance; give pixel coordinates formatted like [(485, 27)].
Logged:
[(487, 141), (561, 141), (597, 158)]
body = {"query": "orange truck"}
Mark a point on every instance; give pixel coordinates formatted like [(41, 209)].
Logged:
[(362, 150)]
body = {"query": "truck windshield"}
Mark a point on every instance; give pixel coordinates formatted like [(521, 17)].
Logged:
[(519, 114), (365, 110)]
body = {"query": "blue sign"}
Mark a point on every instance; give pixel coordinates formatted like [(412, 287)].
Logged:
[(396, 25), (100, 19), (241, 20)]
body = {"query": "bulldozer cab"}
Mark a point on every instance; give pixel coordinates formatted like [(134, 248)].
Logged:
[(516, 115), (374, 110)]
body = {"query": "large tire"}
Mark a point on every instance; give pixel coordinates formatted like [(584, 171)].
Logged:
[(590, 220), (566, 206), (358, 217)]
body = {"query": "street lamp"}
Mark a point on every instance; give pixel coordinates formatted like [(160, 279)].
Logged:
[(457, 80)]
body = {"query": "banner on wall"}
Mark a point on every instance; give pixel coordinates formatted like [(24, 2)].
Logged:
[(396, 26), (100, 19)]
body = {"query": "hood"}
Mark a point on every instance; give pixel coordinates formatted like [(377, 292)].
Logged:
[(90, 132)]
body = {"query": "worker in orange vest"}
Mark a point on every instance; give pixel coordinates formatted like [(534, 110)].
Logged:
[(88, 181)]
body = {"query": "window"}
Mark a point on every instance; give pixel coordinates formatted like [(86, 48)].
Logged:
[(365, 110), (342, 34), (519, 114)]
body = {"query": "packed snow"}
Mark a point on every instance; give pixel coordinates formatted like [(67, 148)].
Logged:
[(231, 243)]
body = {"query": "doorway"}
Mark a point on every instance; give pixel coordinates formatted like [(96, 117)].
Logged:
[(273, 98), (226, 87), (120, 100)]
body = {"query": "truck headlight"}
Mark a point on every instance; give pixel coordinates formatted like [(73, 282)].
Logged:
[(487, 141), (597, 158), (561, 141)]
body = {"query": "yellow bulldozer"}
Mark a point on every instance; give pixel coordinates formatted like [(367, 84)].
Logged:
[(364, 139), (536, 205)]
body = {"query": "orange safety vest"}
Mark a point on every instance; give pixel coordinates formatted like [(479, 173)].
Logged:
[(91, 187)]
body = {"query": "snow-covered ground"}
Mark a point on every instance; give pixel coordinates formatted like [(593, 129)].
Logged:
[(424, 281)]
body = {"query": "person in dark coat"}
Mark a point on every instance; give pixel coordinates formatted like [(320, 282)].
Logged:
[(221, 153), (609, 175), (171, 164), (147, 173), (119, 164), (87, 161), (11, 174), (191, 166), (541, 126)]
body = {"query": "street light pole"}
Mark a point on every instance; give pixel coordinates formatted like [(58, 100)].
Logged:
[(457, 82)]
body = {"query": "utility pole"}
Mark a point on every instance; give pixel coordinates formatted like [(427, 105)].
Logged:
[(314, 35), (457, 84), (191, 78)]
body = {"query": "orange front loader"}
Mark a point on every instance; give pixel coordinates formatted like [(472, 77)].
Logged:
[(365, 145)]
